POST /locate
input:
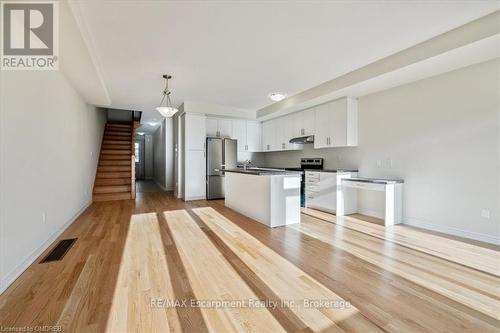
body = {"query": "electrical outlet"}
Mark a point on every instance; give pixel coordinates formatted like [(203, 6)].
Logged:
[(390, 163), (379, 163), (44, 218), (485, 213)]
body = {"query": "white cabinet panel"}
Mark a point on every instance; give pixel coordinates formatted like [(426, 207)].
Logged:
[(225, 127), (219, 127), (268, 136), (240, 134), (303, 123), (308, 124), (322, 121), (212, 127), (195, 184), (195, 129), (289, 133), (336, 124), (253, 136)]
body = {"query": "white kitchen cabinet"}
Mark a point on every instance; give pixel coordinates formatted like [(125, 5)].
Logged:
[(219, 127), (194, 133), (276, 134), (268, 135), (253, 136), (225, 127), (240, 134), (336, 124), (303, 123), (195, 182), (248, 135), (322, 189)]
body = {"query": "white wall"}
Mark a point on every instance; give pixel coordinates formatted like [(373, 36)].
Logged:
[(148, 157), (442, 135), (163, 155), (50, 140)]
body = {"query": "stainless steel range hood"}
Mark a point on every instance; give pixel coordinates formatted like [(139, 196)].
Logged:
[(303, 139)]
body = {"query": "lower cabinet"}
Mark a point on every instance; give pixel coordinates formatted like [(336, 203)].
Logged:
[(321, 189)]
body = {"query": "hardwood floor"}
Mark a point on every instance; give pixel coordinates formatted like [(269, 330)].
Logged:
[(131, 256)]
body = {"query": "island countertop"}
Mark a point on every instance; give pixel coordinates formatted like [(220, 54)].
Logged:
[(264, 172)]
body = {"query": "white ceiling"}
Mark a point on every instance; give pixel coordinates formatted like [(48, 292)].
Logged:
[(236, 53)]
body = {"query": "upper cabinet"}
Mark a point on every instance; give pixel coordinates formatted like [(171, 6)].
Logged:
[(219, 127), (254, 130), (336, 124), (194, 132), (303, 123), (268, 135), (276, 134), (248, 134)]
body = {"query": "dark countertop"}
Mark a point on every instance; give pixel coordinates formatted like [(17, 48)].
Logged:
[(383, 181), (332, 170), (264, 172)]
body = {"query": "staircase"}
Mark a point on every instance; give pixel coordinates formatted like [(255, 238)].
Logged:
[(115, 177)]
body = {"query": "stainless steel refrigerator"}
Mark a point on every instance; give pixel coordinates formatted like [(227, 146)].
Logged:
[(221, 154)]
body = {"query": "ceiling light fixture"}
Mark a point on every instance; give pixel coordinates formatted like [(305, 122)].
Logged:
[(165, 108), (277, 96)]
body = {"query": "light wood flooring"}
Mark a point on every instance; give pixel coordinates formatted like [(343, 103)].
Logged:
[(158, 264)]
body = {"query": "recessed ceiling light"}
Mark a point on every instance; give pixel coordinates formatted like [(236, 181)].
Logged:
[(140, 133), (277, 96), (152, 123)]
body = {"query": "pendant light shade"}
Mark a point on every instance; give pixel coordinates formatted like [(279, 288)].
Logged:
[(165, 108)]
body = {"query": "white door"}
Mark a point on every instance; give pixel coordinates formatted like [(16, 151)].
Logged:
[(240, 134), (212, 127), (225, 127), (253, 136), (195, 186), (195, 129)]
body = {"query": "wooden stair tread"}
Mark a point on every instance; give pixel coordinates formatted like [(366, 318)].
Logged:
[(115, 152), (110, 168), (116, 146), (112, 181), (119, 125), (111, 196), (116, 174), (112, 189), (117, 142), (114, 162), (115, 157)]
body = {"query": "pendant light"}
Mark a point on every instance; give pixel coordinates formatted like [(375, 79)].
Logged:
[(165, 108)]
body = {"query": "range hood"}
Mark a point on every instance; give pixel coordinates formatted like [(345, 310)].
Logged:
[(303, 139)]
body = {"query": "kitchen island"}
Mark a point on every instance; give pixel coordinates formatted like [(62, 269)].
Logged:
[(269, 196)]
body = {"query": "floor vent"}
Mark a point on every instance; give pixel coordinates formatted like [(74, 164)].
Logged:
[(59, 251)]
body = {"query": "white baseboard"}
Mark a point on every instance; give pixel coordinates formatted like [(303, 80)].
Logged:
[(452, 231), (16, 272), (194, 198)]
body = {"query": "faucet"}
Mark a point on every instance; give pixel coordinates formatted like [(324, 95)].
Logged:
[(247, 162)]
